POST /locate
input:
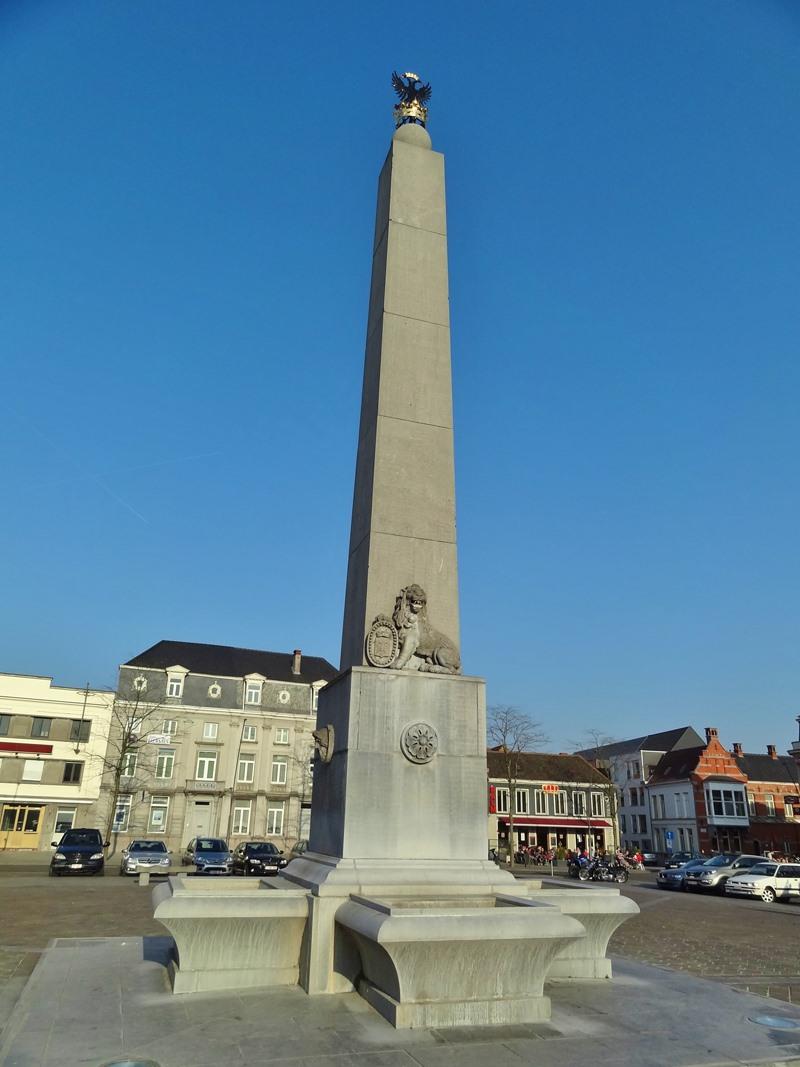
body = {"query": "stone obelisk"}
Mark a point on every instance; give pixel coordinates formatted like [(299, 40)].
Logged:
[(399, 799), (403, 527)]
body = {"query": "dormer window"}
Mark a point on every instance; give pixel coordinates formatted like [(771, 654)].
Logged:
[(215, 690), (253, 692), (175, 677)]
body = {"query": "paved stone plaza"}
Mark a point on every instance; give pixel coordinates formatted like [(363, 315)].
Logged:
[(739, 944)]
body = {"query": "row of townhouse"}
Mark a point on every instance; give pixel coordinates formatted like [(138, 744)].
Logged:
[(197, 740), (549, 800), (679, 792)]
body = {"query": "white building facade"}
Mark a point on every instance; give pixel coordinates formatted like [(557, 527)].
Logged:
[(52, 747), (211, 740)]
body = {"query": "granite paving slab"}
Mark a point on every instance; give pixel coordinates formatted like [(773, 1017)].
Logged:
[(92, 1001)]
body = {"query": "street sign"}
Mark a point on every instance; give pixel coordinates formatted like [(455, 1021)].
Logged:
[(549, 787)]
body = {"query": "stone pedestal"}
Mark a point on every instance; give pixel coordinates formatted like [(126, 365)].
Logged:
[(407, 780)]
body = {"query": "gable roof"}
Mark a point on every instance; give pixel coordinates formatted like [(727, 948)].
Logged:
[(676, 765), (545, 767), (660, 742), (230, 662), (763, 768)]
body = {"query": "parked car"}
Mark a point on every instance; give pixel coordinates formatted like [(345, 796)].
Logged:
[(300, 847), (675, 877), (650, 859), (715, 872), (209, 855), (678, 859), (142, 855), (768, 881), (258, 857), (78, 852)]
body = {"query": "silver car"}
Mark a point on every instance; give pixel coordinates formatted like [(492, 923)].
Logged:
[(715, 872), (142, 855)]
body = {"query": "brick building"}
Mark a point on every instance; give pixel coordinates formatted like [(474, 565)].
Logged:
[(773, 800), (709, 799)]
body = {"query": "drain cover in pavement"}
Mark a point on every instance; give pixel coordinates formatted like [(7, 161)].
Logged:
[(132, 1063), (776, 1022)]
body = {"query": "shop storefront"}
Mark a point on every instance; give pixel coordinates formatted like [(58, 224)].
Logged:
[(546, 833)]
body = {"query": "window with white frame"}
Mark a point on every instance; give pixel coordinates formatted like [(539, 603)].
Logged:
[(280, 767), (539, 802), (253, 692), (246, 771), (32, 770), (241, 818), (165, 762), (175, 685), (579, 803), (598, 808), (559, 803), (275, 819), (210, 731), (133, 727), (65, 820), (788, 809), (157, 821), (122, 814), (249, 733), (282, 735), (128, 768), (751, 804), (206, 766), (501, 800), (170, 727), (522, 801), (769, 800)]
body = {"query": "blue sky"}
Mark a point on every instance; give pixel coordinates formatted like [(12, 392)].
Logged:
[(186, 219)]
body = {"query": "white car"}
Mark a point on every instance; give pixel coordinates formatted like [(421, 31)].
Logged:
[(768, 881)]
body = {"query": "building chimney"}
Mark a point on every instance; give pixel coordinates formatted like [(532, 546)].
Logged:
[(711, 731), (297, 657), (737, 748), (772, 752)]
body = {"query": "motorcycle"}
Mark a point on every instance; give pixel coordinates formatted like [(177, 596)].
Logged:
[(595, 871)]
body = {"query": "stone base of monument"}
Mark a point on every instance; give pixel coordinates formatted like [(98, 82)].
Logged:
[(395, 896), (231, 935), (437, 962)]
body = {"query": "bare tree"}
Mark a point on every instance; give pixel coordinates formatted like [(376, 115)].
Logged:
[(592, 743), (129, 762), (512, 732)]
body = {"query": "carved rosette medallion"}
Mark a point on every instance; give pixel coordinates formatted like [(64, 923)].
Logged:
[(382, 643), (419, 742)]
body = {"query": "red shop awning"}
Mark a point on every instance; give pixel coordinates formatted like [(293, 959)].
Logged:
[(565, 823), (26, 746)]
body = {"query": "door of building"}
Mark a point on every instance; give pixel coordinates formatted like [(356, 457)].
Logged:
[(20, 826), (201, 825)]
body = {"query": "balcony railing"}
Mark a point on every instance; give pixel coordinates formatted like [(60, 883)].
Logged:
[(202, 785)]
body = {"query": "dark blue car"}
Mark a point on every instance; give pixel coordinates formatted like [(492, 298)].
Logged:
[(78, 852)]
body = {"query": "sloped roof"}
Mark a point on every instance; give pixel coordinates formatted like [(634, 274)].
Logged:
[(230, 662), (763, 768), (545, 767), (676, 765), (660, 742)]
